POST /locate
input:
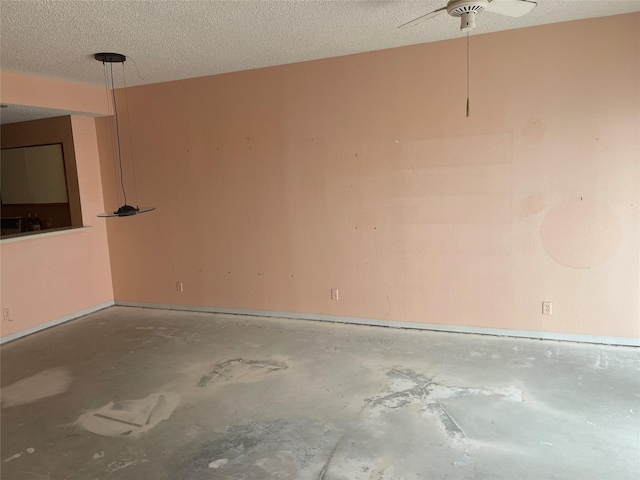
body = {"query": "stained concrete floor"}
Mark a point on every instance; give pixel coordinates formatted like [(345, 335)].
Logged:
[(131, 393)]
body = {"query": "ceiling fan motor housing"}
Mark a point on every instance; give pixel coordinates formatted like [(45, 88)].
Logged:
[(466, 10)]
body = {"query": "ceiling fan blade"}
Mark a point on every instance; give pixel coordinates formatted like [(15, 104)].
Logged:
[(510, 8), (422, 18)]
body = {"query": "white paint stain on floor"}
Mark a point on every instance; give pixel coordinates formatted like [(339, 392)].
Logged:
[(19, 454), (41, 385), (13, 457), (119, 465), (602, 362), (130, 417), (363, 469), (221, 462), (280, 465)]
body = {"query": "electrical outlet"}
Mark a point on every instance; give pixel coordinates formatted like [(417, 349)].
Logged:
[(6, 314), (179, 287), (547, 308), (334, 294)]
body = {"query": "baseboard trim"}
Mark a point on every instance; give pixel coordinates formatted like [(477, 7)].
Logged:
[(500, 332), (53, 323)]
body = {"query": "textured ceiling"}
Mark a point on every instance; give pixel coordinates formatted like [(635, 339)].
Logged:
[(170, 40)]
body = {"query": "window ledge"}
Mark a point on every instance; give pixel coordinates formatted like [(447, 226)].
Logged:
[(19, 237)]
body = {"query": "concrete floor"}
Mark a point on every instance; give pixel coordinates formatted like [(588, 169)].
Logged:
[(130, 393)]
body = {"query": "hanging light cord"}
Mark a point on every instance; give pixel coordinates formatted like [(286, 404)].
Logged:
[(467, 74), (133, 157), (115, 110), (111, 133)]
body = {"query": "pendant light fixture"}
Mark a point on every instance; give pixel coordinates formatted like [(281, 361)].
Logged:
[(126, 210)]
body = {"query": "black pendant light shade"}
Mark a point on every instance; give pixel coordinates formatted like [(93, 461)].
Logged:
[(108, 59), (126, 211)]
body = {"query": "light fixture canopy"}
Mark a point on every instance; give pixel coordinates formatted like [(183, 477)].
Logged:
[(105, 57), (108, 59)]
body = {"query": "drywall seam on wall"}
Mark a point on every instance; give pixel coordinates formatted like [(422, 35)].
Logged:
[(53, 323), (500, 332)]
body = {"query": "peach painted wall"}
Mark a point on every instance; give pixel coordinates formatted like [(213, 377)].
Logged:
[(45, 278), (362, 173)]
